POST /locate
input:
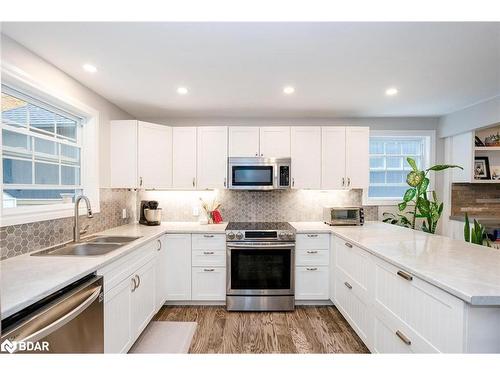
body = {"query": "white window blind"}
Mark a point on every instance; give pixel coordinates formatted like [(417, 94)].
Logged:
[(41, 152), (388, 165)]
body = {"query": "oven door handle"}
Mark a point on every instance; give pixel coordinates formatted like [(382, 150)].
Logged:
[(267, 245)]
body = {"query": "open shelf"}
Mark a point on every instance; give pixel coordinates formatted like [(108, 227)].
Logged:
[(486, 181), (487, 148)]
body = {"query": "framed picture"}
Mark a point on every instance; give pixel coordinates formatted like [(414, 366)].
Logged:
[(482, 168)]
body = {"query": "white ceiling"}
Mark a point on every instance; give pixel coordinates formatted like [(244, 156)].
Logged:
[(239, 69)]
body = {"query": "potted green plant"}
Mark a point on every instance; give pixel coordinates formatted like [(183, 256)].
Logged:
[(476, 234), (423, 204)]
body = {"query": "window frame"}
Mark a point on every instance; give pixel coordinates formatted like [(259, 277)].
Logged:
[(429, 157), (20, 82)]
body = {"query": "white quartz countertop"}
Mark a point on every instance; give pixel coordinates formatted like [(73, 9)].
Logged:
[(26, 279), (467, 271)]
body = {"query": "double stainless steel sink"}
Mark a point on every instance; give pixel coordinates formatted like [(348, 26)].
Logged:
[(91, 246)]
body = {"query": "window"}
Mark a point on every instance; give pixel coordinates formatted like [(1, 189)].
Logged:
[(388, 165), (41, 152)]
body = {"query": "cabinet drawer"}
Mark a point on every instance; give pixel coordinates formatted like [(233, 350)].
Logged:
[(352, 261), (209, 283), (209, 258), (316, 241), (419, 309), (305, 257), (386, 339), (208, 241), (312, 283)]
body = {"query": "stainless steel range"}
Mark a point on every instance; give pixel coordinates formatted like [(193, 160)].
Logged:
[(260, 266)]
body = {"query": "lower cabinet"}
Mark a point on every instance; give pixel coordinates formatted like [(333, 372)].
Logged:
[(129, 306), (209, 283), (161, 272), (178, 269), (311, 283)]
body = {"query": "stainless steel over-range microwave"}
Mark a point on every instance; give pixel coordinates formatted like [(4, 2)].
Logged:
[(259, 173)]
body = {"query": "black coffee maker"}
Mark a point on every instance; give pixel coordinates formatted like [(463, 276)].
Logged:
[(150, 213)]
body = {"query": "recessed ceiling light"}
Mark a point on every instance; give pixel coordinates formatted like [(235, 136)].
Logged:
[(391, 91), (182, 90), (288, 90), (89, 68)]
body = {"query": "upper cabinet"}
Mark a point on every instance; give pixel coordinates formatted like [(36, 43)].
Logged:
[(345, 157), (244, 141), (155, 156), (306, 157), (212, 157), (184, 157), (252, 141), (141, 155), (275, 142)]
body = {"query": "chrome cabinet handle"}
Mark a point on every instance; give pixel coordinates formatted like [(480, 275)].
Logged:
[(343, 181), (208, 269), (293, 181), (348, 245), (312, 235), (349, 286), (312, 269), (256, 154), (312, 252), (405, 275), (225, 181), (403, 337), (208, 235), (348, 181), (159, 245), (140, 181), (138, 281), (208, 252), (134, 282), (194, 181)]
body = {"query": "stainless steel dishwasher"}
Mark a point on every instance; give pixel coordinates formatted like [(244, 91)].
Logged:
[(70, 320)]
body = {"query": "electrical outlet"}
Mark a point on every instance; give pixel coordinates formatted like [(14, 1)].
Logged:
[(196, 211), (124, 213)]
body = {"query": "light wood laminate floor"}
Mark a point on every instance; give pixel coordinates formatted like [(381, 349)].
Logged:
[(308, 329)]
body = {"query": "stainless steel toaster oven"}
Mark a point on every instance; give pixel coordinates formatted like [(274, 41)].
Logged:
[(343, 215)]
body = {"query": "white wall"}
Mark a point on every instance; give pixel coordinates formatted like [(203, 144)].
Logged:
[(37, 69), (476, 116)]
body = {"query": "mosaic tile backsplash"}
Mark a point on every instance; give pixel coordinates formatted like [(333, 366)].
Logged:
[(24, 238), (277, 205)]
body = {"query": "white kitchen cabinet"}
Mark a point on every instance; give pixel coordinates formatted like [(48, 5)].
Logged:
[(275, 141), (161, 272), (209, 283), (184, 157), (178, 258), (333, 157), (118, 335), (345, 158), (243, 141), (306, 157), (312, 282), (154, 156), (357, 157), (212, 157), (123, 154), (143, 303)]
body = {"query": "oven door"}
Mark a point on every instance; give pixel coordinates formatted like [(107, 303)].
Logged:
[(260, 269)]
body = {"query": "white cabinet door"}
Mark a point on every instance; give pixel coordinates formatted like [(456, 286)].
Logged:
[(212, 157), (143, 297), (184, 157), (209, 283), (333, 157), (357, 157), (178, 248), (155, 155), (243, 141), (306, 157), (161, 272), (118, 334), (123, 154), (311, 283), (275, 141)]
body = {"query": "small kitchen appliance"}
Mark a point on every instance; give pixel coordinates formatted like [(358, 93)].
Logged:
[(150, 213), (259, 173), (260, 267), (343, 215)]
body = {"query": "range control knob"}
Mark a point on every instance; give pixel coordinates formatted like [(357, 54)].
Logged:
[(230, 236), (239, 236)]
